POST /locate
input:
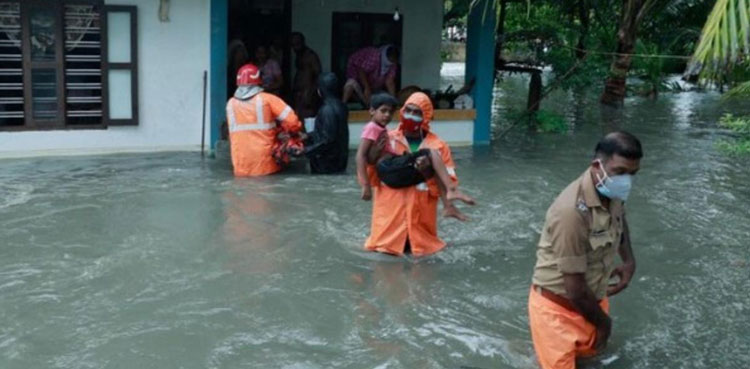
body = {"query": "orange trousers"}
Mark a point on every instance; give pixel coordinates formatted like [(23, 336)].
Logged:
[(560, 335)]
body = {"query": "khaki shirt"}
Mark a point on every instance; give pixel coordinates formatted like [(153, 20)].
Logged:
[(579, 236)]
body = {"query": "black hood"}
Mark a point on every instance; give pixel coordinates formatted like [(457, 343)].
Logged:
[(328, 84)]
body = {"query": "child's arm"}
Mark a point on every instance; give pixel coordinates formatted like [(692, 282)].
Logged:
[(362, 156), (376, 148)]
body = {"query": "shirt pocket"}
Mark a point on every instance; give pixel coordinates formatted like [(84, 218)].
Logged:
[(600, 239), (601, 242)]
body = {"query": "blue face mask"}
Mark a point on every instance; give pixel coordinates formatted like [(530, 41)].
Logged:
[(614, 187)]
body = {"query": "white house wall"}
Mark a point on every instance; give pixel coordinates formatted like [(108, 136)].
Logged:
[(172, 58), (423, 23), (454, 132)]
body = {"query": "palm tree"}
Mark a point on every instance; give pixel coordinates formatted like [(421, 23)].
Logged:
[(724, 42), (633, 13)]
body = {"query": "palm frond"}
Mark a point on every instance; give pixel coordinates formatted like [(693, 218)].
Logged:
[(740, 91), (724, 41)]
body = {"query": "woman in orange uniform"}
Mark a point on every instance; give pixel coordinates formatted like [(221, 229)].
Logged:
[(405, 219)]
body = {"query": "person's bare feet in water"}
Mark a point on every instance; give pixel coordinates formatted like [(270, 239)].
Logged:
[(455, 194), (452, 212)]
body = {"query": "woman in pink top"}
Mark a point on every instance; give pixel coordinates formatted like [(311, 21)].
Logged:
[(369, 70)]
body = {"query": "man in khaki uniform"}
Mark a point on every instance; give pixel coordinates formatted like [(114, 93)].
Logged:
[(583, 231)]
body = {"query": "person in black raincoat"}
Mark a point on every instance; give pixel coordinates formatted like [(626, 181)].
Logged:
[(327, 146)]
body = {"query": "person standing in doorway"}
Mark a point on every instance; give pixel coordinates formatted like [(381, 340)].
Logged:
[(237, 56), (270, 71), (305, 86), (327, 146), (276, 49), (370, 70), (585, 227)]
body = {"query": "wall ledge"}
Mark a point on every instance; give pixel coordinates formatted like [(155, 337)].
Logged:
[(453, 115)]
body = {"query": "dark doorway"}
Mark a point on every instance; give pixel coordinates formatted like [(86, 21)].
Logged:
[(353, 31), (254, 23)]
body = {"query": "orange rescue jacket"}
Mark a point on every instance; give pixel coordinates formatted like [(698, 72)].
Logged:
[(409, 213), (253, 128)]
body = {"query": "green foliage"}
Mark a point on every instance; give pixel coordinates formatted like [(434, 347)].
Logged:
[(543, 121), (455, 12), (445, 55), (725, 39), (548, 34), (551, 122), (550, 31), (740, 91), (740, 126)]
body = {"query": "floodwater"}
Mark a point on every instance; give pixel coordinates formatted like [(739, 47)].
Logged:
[(167, 261)]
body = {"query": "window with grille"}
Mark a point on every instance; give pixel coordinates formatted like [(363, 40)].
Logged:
[(56, 69)]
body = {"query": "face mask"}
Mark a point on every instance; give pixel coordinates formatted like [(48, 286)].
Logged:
[(614, 187), (411, 122)]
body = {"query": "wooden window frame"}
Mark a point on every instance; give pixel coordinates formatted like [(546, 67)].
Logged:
[(132, 66), (28, 66)]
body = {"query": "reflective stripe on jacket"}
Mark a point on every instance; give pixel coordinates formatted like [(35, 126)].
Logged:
[(253, 128)]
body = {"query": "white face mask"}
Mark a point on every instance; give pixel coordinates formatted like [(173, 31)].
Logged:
[(614, 187), (413, 117)]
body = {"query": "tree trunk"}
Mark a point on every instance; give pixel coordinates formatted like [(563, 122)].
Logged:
[(583, 15), (615, 86), (500, 35), (535, 92)]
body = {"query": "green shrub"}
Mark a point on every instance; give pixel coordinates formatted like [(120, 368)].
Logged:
[(544, 121), (551, 122), (740, 126)]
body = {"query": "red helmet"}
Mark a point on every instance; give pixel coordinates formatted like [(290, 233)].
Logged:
[(248, 74)]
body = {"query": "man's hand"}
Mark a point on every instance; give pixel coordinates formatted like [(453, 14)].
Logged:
[(602, 334), (366, 193), (585, 302), (625, 273)]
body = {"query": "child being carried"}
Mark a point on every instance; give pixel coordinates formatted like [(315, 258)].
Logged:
[(399, 171)]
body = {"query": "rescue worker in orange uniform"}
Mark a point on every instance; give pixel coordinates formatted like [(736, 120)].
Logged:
[(259, 124), (407, 217), (583, 231)]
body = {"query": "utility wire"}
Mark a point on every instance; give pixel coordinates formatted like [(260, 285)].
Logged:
[(663, 56), (546, 93)]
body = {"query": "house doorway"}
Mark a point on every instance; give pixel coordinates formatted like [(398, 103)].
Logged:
[(255, 24)]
